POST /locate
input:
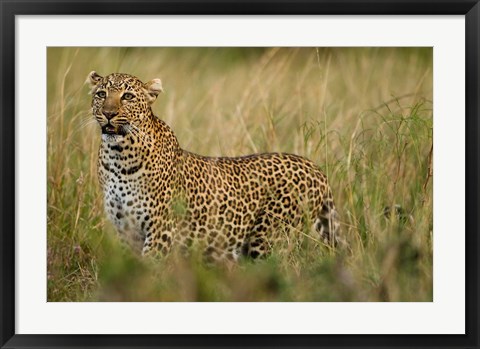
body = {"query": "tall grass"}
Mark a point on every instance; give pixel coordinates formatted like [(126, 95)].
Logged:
[(363, 114)]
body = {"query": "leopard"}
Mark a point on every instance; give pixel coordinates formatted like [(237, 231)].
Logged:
[(162, 198)]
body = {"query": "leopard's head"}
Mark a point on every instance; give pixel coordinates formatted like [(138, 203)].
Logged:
[(121, 102)]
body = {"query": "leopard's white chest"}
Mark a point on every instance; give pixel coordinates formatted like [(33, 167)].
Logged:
[(124, 198), (125, 209)]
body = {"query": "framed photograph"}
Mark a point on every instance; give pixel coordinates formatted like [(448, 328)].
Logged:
[(194, 174)]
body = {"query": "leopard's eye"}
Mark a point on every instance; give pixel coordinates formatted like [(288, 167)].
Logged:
[(101, 94), (127, 96)]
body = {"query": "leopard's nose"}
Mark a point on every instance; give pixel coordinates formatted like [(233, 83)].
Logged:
[(109, 114)]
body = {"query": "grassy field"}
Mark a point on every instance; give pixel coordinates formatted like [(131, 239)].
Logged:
[(364, 115)]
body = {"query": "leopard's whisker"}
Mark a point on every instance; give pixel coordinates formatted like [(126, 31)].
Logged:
[(134, 132), (146, 138), (87, 123), (141, 136), (84, 124)]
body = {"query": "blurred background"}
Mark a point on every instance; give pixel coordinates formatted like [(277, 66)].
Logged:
[(364, 115)]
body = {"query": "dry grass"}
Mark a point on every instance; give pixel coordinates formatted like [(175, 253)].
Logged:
[(363, 114)]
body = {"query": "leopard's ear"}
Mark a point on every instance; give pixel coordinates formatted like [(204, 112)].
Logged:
[(92, 80), (153, 87)]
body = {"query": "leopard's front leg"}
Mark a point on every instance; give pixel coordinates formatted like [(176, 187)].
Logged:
[(159, 241)]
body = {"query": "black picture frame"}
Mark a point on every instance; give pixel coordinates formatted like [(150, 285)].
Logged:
[(9, 9)]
